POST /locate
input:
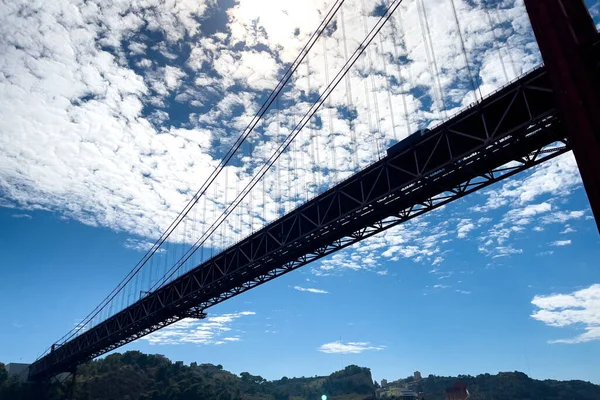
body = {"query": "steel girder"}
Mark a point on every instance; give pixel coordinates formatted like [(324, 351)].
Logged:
[(496, 138)]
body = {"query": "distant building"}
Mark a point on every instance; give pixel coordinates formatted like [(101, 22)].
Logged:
[(396, 392), (417, 376), (179, 363), (19, 370), (383, 382)]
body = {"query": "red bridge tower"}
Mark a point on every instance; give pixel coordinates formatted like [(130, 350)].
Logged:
[(565, 34)]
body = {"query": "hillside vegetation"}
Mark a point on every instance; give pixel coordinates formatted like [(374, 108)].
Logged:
[(137, 376)]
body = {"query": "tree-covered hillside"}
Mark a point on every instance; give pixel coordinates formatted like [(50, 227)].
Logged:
[(137, 376), (511, 386)]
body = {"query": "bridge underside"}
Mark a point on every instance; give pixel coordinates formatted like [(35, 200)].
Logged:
[(497, 138)]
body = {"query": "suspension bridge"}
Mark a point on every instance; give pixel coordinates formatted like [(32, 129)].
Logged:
[(229, 239)]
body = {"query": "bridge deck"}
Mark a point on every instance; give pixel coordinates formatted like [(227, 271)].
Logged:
[(466, 153)]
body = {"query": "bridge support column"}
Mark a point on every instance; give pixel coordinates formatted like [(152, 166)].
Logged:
[(72, 386), (565, 33)]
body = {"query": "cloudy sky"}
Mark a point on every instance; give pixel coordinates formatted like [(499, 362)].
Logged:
[(113, 114)]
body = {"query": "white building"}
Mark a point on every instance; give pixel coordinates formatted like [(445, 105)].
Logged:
[(396, 392)]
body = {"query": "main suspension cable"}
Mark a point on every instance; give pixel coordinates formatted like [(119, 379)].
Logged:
[(290, 138), (239, 141)]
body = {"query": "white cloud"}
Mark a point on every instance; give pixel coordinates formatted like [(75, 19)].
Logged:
[(91, 138), (348, 348), (546, 253), (560, 217), (503, 251), (100, 160), (310, 290), (556, 177), (257, 70), (416, 240), (22, 216), (80, 326), (463, 291), (173, 76), (464, 227), (524, 215), (438, 286), (552, 180), (579, 309), (141, 245), (207, 331), (560, 243), (591, 333), (499, 251), (137, 48), (568, 229)]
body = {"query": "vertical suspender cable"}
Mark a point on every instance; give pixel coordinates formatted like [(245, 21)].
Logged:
[(305, 168), (397, 56), (366, 84), (264, 201), (435, 65), (184, 237), (277, 166), (214, 216), (369, 62), (238, 217), (297, 174), (510, 57), (464, 50), (251, 197), (195, 223), (426, 44), (225, 191), (289, 180), (332, 149), (299, 127), (313, 141), (347, 80), (136, 289), (388, 86), (239, 141), (203, 227), (496, 44)]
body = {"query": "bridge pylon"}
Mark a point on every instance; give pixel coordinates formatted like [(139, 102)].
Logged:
[(565, 33)]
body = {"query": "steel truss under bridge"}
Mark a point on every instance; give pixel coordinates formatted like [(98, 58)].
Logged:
[(502, 135)]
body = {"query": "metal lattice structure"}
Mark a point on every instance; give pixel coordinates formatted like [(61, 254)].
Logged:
[(502, 135)]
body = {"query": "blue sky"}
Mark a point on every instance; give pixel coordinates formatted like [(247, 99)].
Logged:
[(109, 124)]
